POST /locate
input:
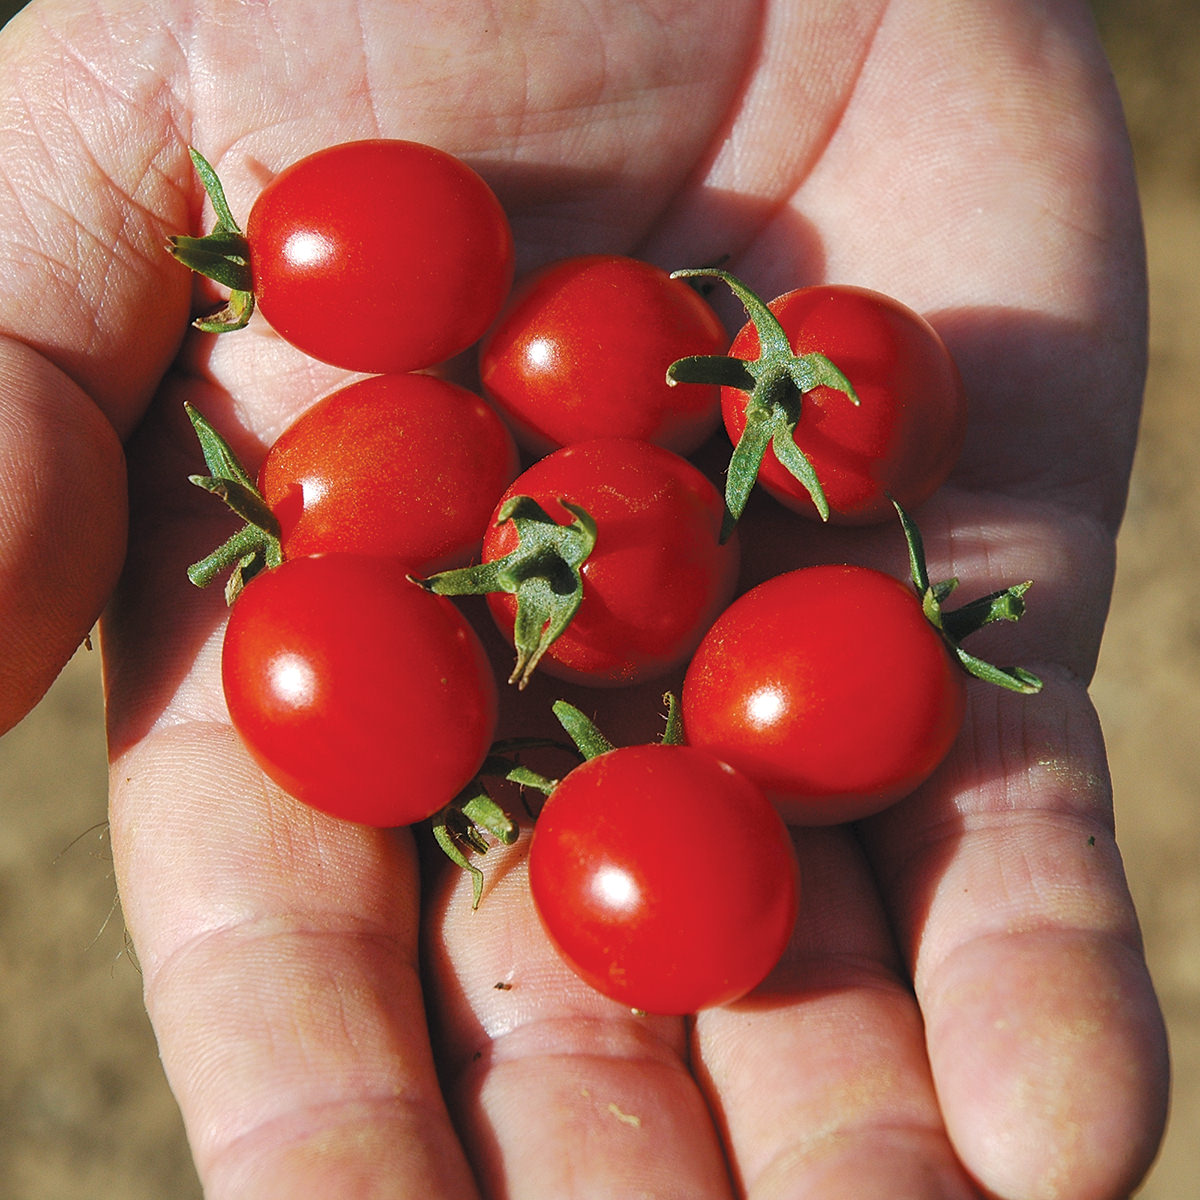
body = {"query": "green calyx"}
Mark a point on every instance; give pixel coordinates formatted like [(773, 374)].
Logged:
[(473, 821), (223, 256), (582, 730), (543, 572), (1008, 604), (591, 743), (466, 824), (775, 383), (256, 545)]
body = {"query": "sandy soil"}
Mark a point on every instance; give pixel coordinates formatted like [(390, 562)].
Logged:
[(84, 1109)]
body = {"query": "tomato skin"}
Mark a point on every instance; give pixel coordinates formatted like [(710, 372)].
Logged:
[(407, 465), (379, 256), (664, 878), (657, 577), (829, 688), (906, 433), (581, 351), (356, 691)]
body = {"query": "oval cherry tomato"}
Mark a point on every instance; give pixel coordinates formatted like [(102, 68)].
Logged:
[(356, 691), (582, 348), (906, 432), (379, 256), (829, 688), (657, 576), (664, 878), (407, 465)]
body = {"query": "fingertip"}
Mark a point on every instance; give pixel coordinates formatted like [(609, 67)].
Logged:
[(1058, 1083)]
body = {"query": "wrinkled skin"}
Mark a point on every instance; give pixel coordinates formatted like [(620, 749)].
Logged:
[(965, 1010)]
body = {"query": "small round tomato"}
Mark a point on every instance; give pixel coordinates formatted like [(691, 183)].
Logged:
[(664, 878), (356, 691), (407, 465), (657, 575), (829, 688), (904, 435), (379, 256), (582, 349)]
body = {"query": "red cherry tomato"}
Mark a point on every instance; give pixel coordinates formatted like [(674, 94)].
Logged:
[(379, 256), (664, 878), (407, 465), (829, 688), (356, 691), (581, 351), (906, 432), (657, 576)]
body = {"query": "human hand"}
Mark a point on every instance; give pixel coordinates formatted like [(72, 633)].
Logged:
[(964, 1010)]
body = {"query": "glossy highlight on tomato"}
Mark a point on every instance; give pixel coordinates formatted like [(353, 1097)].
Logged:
[(356, 691), (406, 465), (829, 688), (664, 878), (582, 348)]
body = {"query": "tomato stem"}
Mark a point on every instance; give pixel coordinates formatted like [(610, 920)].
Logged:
[(254, 547), (461, 827), (222, 256), (954, 625), (590, 742), (776, 383), (543, 572), (472, 818), (582, 730), (673, 734)]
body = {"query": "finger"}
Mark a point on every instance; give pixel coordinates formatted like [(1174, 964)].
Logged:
[(557, 1090), (281, 977), (1045, 1039), (819, 1078), (62, 523)]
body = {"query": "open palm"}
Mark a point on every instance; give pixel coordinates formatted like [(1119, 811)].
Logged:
[(965, 1010)]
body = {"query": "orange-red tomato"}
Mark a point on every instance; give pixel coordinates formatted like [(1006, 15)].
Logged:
[(664, 878), (379, 256), (829, 688), (355, 690), (905, 434), (408, 465), (582, 349)]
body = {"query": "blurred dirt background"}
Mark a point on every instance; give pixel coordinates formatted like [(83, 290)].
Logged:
[(84, 1109)]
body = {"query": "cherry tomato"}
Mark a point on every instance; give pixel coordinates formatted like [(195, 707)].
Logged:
[(829, 688), (657, 576), (379, 256), (664, 878), (356, 691), (905, 433), (407, 465), (582, 349)]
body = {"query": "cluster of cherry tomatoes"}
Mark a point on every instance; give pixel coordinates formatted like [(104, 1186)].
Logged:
[(361, 687)]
